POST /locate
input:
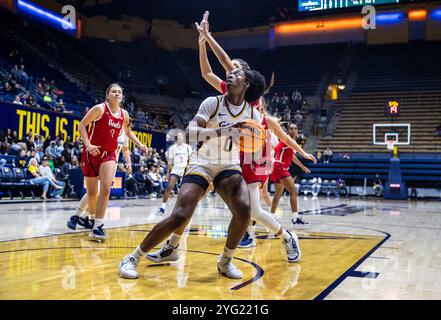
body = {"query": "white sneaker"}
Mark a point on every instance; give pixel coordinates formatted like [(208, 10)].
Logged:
[(127, 267), (166, 253), (228, 269), (292, 248)]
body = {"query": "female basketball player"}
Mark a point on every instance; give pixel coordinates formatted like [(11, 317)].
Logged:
[(273, 124), (99, 158), (282, 177), (220, 168), (177, 159), (80, 217)]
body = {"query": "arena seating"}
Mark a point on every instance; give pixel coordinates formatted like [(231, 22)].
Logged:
[(418, 170), (358, 114)]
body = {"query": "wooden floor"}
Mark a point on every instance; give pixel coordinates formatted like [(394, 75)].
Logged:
[(352, 249)]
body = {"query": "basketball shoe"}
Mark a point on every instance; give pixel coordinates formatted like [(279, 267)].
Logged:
[(299, 222), (292, 247), (85, 222), (98, 234), (127, 267), (166, 253), (228, 269), (247, 241)]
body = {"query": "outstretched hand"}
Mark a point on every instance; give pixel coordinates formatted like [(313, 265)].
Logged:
[(310, 157)]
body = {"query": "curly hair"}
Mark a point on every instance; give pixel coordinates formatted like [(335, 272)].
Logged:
[(257, 85)]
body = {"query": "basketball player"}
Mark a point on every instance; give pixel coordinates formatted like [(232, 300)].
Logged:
[(98, 159), (177, 159), (281, 176), (80, 217), (217, 161), (255, 175)]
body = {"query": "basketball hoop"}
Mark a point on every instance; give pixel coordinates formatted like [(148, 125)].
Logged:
[(390, 144)]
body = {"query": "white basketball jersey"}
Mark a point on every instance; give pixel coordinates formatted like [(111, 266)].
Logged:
[(179, 155), (218, 113)]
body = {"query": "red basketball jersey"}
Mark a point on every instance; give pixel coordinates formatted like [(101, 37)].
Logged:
[(283, 154), (104, 132)]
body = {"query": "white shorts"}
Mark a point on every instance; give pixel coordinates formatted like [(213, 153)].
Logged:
[(178, 172), (206, 174)]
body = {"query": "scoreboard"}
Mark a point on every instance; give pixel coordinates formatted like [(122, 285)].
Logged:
[(392, 108), (313, 5)]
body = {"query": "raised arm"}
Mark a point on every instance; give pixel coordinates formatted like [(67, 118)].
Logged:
[(206, 71), (221, 55)]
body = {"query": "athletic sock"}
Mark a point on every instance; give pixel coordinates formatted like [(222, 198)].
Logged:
[(295, 216), (98, 223), (227, 254), (138, 253), (91, 216), (79, 212), (251, 231), (163, 205), (174, 240)]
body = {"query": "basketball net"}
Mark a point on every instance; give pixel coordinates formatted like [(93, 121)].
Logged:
[(390, 144)]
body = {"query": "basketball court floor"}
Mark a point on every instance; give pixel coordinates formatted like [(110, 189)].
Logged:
[(352, 249)]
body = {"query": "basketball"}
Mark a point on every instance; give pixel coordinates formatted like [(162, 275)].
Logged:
[(252, 136)]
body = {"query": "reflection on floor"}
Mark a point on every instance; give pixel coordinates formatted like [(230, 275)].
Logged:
[(352, 249)]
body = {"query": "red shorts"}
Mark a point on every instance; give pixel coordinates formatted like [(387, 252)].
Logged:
[(90, 165), (251, 177), (280, 171)]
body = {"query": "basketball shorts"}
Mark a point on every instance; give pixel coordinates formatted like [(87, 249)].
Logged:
[(204, 174), (178, 172), (251, 177), (90, 165), (280, 171)]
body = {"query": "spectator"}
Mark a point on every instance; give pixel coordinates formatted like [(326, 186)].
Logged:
[(437, 132), (8, 89), (316, 185), (298, 118), (54, 89), (59, 149), (22, 160), (76, 150), (46, 171), (346, 156), (47, 98), (154, 179), (284, 99), (141, 182), (23, 76), (275, 99), (51, 150), (327, 155), (75, 163), (41, 88), (17, 100), (378, 186), (296, 100), (39, 180), (341, 186), (30, 101)]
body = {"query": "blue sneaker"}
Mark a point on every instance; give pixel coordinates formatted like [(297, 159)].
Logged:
[(299, 222), (86, 223), (247, 241), (161, 210), (72, 223), (98, 234)]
